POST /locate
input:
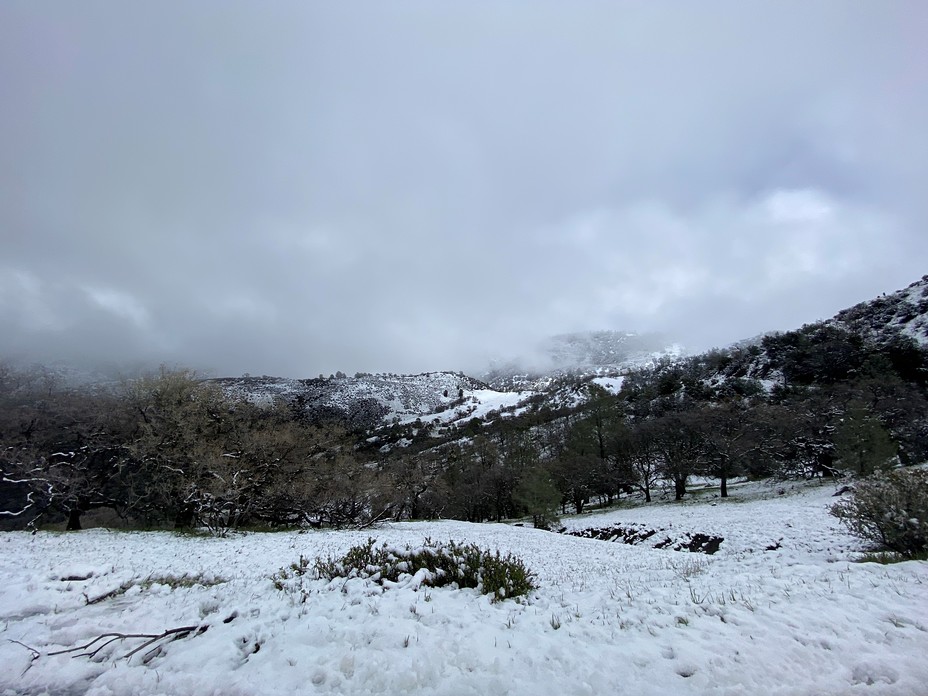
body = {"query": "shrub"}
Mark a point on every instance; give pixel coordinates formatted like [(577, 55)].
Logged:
[(432, 564), (889, 557), (891, 510)]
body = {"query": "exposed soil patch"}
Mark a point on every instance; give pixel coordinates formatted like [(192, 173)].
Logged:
[(658, 539)]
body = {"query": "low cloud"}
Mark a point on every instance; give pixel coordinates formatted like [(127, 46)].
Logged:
[(307, 189)]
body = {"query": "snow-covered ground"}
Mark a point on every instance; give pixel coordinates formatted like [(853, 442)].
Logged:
[(607, 618)]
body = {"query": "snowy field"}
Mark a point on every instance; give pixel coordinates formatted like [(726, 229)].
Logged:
[(607, 618)]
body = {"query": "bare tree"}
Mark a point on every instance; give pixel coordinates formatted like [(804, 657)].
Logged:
[(61, 451)]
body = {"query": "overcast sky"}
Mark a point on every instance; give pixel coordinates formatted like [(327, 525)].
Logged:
[(295, 188)]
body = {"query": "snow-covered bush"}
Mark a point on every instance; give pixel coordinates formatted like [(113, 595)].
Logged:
[(434, 564), (891, 510)]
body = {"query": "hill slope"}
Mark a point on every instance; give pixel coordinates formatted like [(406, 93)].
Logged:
[(888, 333), (904, 312), (826, 351), (373, 400), (363, 401)]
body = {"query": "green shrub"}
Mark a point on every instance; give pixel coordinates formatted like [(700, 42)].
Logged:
[(185, 580), (433, 564), (890, 510), (890, 557)]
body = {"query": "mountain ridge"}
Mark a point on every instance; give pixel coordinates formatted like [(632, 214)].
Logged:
[(447, 398), (903, 312)]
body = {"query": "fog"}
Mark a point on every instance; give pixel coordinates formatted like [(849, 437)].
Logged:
[(295, 188)]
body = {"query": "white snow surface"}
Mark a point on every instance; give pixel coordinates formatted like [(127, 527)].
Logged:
[(917, 325), (613, 385), (478, 403), (405, 397), (606, 618)]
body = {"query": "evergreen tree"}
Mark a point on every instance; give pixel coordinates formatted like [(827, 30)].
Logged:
[(862, 444), (539, 496)]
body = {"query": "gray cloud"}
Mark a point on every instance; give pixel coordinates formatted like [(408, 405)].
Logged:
[(306, 187)]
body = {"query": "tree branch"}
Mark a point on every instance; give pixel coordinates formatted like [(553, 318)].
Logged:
[(109, 638)]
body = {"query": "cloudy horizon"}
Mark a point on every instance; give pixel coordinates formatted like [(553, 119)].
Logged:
[(298, 188)]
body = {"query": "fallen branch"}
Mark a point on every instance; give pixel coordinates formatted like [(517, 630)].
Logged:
[(177, 634), (93, 647), (375, 520), (35, 654), (122, 589)]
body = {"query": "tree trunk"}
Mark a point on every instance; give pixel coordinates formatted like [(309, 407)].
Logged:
[(679, 488), (183, 519), (826, 464), (74, 519), (578, 503), (724, 485)]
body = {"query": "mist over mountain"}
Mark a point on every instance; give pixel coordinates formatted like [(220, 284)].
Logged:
[(581, 353), (558, 370), (607, 419), (555, 372)]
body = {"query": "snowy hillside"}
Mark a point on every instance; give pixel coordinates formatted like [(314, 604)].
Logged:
[(892, 328), (477, 403), (583, 355), (904, 311), (441, 400), (365, 400), (802, 618)]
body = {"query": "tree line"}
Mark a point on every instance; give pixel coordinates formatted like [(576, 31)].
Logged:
[(172, 450), (817, 402), (168, 450)]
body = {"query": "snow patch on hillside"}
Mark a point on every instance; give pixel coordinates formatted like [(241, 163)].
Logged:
[(613, 385), (904, 311)]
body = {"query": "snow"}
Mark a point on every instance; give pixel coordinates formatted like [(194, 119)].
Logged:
[(478, 403), (489, 400), (613, 385), (917, 326), (404, 397), (606, 618)]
